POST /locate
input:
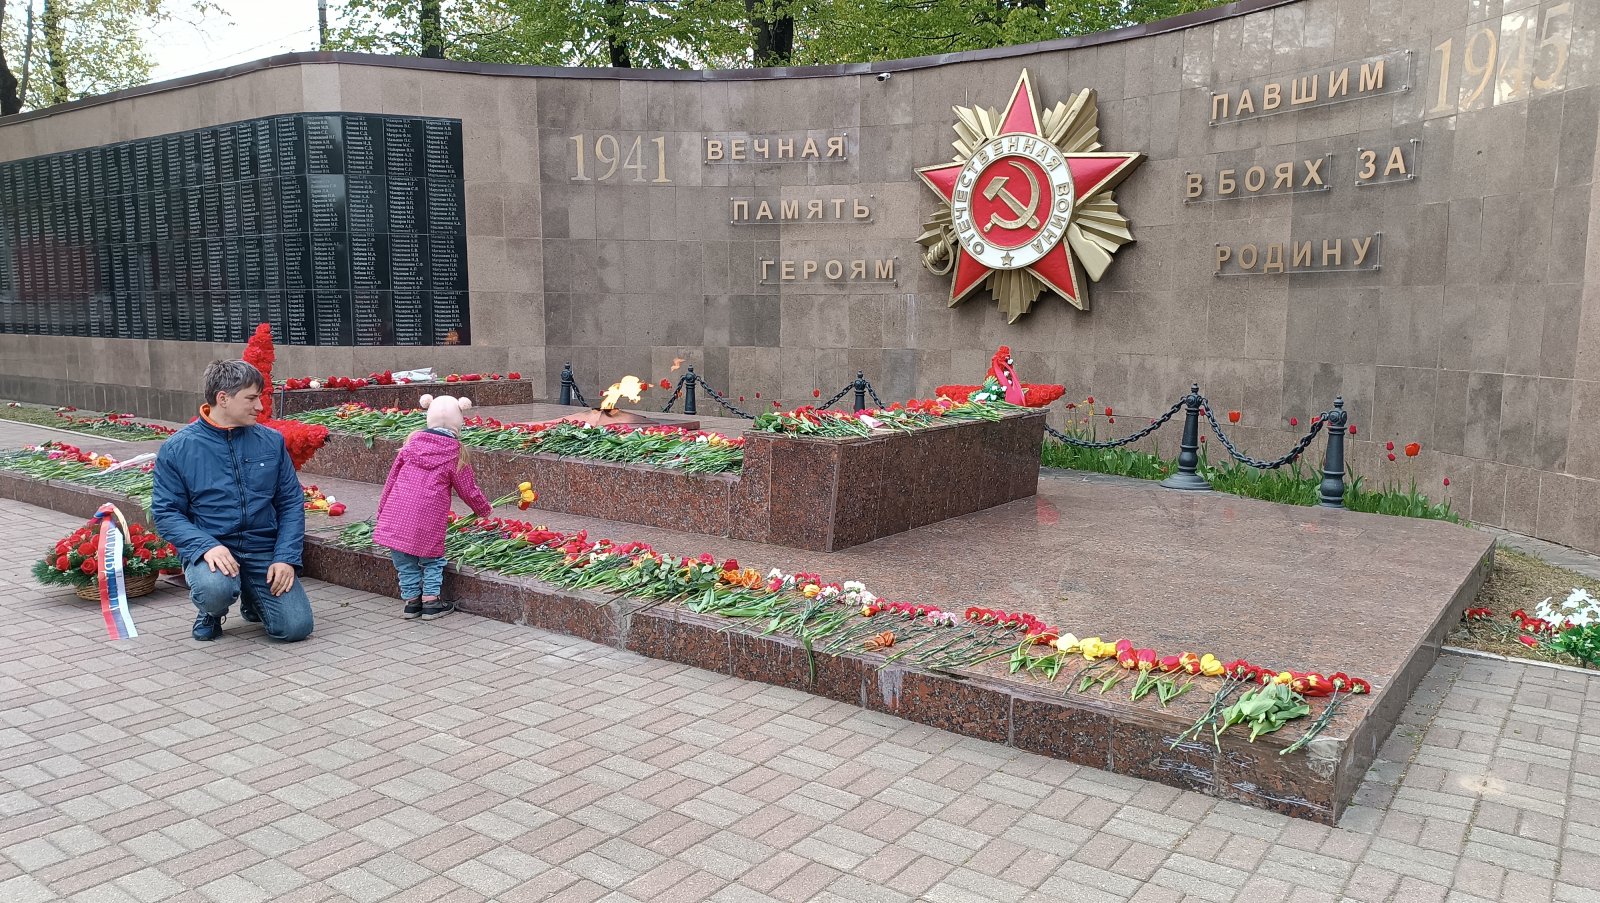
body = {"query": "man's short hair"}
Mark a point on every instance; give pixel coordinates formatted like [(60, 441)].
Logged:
[(230, 377)]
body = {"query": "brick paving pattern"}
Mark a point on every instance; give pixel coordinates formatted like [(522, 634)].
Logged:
[(466, 760)]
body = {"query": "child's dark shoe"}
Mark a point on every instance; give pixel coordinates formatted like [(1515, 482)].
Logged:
[(436, 608), (413, 609)]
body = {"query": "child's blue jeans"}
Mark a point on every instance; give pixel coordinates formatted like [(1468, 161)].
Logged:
[(418, 576)]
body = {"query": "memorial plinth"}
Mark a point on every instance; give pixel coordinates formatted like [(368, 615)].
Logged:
[(483, 393), (806, 493)]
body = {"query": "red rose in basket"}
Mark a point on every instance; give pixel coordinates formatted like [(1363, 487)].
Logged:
[(74, 560)]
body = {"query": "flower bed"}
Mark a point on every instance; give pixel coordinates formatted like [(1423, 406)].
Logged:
[(903, 416), (68, 463), (108, 426), (658, 446), (375, 392)]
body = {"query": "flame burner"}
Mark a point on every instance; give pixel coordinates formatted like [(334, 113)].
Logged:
[(616, 417)]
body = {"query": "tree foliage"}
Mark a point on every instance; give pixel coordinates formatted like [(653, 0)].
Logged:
[(675, 34), (82, 47)]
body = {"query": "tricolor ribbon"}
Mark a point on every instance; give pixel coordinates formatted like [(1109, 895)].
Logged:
[(113, 595)]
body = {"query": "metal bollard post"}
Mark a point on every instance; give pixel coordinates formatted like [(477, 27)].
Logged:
[(688, 391), (861, 390), (1332, 489), (1187, 476), (566, 383)]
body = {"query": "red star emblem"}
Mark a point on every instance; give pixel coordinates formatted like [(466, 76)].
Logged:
[(1015, 200)]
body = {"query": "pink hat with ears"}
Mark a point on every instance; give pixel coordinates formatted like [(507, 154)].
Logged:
[(445, 411)]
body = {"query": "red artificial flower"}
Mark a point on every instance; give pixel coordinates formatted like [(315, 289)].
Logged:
[(89, 566), (1233, 416), (86, 548), (63, 563), (144, 554), (665, 384), (1413, 449)]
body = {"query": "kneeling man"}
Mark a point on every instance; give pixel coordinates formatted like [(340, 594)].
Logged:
[(227, 495)]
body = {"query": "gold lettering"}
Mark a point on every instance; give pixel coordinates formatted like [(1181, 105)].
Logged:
[(861, 211), (1273, 263), (1313, 177), (1361, 245), (790, 209), (1247, 257), (1255, 179), (1283, 176), (713, 149), (1302, 254), (834, 269), (885, 269), (1339, 83), (1247, 104), (1194, 184), (1371, 76), (1369, 164), (1336, 252), (1219, 100), (1303, 90), (1225, 182), (813, 209), (1397, 162), (858, 269), (836, 143), (1271, 96), (785, 148), (1223, 253)]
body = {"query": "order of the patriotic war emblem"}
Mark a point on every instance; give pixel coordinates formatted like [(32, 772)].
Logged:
[(1029, 205)]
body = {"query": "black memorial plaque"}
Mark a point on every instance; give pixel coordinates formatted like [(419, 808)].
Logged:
[(337, 228)]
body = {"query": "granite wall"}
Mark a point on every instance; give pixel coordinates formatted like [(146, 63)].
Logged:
[(1469, 323)]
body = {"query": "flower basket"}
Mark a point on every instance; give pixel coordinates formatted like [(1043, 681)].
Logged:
[(74, 561), (132, 587)]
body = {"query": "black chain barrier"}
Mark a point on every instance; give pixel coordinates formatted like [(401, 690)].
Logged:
[(1125, 440), (1242, 458)]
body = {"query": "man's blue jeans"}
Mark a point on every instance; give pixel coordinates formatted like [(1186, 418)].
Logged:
[(418, 576), (287, 617)]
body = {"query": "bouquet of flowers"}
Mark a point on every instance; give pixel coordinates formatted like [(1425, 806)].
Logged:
[(74, 560)]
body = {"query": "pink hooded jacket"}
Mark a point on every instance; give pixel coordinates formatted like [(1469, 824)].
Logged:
[(415, 505)]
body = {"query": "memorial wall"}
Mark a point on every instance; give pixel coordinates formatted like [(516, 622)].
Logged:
[(1282, 201)]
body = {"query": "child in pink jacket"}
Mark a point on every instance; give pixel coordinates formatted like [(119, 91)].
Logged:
[(415, 506)]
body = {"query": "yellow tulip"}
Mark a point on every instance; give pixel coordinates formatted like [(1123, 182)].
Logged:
[(1283, 677), (320, 504), (524, 487), (1067, 643), (810, 591), (1210, 667), (1092, 649)]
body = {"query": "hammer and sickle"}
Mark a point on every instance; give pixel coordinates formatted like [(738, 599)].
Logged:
[(1025, 213)]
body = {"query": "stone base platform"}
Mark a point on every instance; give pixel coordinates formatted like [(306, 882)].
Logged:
[(1301, 588)]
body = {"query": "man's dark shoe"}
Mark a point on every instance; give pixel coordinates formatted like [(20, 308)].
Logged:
[(437, 608), (249, 610), (208, 627), (413, 609)]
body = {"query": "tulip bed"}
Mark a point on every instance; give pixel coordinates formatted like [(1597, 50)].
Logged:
[(837, 618), (108, 426), (659, 446), (904, 416)]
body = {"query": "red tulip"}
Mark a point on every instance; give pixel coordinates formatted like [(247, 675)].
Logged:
[(1108, 410), (1388, 446), (1447, 481), (1233, 416), (816, 393), (1413, 449), (1294, 421), (1391, 456), (1352, 429), (513, 375), (665, 384), (1089, 400), (336, 509)]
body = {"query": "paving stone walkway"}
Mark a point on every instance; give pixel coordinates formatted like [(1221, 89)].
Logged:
[(466, 760)]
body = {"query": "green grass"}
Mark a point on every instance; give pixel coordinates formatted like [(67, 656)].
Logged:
[(1293, 484)]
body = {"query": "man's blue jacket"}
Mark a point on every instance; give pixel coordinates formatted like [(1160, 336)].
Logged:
[(234, 487)]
